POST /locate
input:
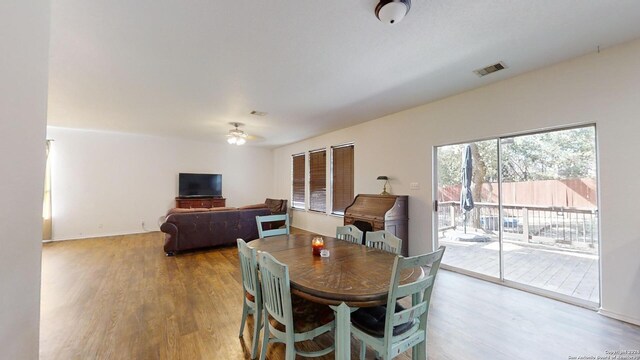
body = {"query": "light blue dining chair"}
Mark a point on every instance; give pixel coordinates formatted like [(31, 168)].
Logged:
[(384, 240), (391, 330), (349, 233), (252, 296), (267, 219), (291, 319)]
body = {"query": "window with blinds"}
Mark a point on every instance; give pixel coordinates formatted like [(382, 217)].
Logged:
[(342, 176), (297, 181), (318, 180)]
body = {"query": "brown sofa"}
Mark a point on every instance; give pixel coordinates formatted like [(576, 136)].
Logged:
[(188, 229)]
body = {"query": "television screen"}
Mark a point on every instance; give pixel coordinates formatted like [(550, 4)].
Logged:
[(195, 185)]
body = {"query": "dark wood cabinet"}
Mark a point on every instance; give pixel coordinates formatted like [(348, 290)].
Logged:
[(204, 202)]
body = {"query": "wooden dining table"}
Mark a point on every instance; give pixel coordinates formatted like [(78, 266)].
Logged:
[(352, 276)]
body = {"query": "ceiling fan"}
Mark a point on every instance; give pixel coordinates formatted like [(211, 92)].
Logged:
[(236, 136)]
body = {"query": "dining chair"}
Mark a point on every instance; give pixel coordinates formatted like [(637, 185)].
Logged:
[(384, 240), (252, 296), (391, 330), (349, 233), (267, 219), (290, 318)]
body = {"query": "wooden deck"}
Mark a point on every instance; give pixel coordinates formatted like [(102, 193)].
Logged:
[(566, 272)]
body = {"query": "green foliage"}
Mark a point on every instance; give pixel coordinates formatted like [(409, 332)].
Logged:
[(563, 154)]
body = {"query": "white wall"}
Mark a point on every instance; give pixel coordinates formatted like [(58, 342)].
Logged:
[(599, 88), (24, 41), (106, 183)]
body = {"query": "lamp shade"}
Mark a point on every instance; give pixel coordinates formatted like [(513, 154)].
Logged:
[(382, 177), (392, 11)]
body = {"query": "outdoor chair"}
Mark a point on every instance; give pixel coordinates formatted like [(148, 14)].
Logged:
[(252, 296), (290, 319), (349, 233), (265, 221), (391, 330), (384, 240)]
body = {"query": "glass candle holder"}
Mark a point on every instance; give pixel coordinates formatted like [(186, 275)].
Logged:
[(317, 244)]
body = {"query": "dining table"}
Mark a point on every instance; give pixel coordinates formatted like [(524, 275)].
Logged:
[(351, 277)]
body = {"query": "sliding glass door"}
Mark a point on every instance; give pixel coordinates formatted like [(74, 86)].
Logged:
[(529, 213), (463, 207)]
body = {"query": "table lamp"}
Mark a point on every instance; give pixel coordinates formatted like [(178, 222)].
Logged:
[(386, 181)]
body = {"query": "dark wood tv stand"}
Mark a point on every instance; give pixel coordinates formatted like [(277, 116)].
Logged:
[(200, 202)]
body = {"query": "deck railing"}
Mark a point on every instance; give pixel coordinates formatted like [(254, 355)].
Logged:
[(576, 228)]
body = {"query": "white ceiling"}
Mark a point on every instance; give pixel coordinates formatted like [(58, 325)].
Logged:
[(188, 68)]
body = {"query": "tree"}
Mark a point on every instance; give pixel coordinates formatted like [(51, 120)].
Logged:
[(562, 154)]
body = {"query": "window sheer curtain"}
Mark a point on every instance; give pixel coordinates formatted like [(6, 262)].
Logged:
[(47, 225)]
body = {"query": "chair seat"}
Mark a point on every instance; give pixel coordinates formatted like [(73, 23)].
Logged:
[(249, 296), (371, 320), (307, 315)]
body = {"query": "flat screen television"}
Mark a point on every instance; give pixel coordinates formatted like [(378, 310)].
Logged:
[(199, 185)]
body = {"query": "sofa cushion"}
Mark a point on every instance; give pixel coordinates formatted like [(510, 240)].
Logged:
[(371, 320), (182, 210), (222, 208), (254, 206)]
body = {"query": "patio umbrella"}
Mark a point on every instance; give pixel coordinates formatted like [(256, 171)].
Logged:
[(466, 197)]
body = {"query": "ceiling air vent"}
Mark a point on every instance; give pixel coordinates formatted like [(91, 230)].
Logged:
[(258, 113), (490, 69)]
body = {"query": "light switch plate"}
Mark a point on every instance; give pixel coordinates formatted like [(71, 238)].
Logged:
[(414, 186)]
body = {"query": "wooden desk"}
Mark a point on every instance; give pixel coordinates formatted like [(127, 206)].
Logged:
[(352, 276)]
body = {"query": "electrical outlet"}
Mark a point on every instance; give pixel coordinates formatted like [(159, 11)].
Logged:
[(414, 186), (143, 224)]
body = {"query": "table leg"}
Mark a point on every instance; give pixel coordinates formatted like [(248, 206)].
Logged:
[(343, 331)]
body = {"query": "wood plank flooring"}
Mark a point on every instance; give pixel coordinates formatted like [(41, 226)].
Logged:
[(121, 298)]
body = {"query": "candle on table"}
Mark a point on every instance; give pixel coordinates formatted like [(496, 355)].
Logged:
[(317, 244)]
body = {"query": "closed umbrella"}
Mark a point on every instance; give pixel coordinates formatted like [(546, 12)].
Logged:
[(466, 197)]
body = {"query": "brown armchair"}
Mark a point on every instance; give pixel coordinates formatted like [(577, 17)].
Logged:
[(277, 206)]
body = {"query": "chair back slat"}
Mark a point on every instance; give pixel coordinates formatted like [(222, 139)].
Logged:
[(420, 290), (262, 220), (409, 314), (416, 287), (349, 233), (275, 288), (248, 268), (384, 240)]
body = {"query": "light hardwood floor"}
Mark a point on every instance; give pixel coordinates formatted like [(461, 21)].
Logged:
[(121, 298)]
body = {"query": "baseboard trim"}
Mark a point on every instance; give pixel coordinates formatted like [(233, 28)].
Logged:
[(613, 315), (99, 236)]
